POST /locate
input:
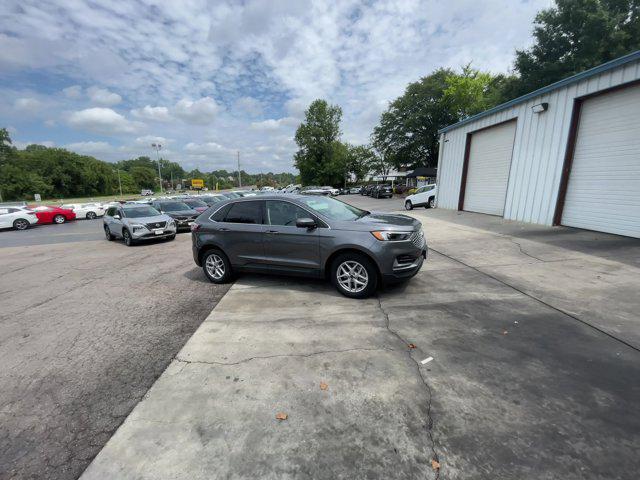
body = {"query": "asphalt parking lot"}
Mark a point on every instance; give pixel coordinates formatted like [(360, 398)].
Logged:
[(533, 374), (532, 331), (86, 327)]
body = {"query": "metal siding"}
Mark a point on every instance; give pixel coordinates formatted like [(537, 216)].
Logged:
[(539, 147)]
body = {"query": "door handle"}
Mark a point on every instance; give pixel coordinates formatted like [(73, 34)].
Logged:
[(222, 229), (274, 232)]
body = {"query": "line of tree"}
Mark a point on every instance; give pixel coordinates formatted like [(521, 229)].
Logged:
[(570, 37), (59, 173)]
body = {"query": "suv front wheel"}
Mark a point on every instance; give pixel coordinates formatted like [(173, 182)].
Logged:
[(354, 275), (216, 266)]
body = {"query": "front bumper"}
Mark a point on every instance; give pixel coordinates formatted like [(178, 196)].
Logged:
[(406, 269), (146, 234)]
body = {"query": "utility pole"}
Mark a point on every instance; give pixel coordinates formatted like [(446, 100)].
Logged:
[(172, 187), (119, 182), (157, 147), (239, 177)]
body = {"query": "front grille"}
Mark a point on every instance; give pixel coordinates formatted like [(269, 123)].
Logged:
[(417, 238), (153, 225)]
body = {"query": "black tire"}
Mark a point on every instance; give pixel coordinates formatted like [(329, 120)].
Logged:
[(20, 224), (431, 203), (171, 237), (91, 215), (209, 261), (127, 238), (59, 219), (363, 261), (408, 205), (108, 234)]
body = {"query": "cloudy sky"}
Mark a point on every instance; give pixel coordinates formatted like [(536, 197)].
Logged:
[(208, 78)]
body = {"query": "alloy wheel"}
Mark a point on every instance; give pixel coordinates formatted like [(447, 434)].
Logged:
[(352, 276), (59, 219), (215, 266), (20, 224)]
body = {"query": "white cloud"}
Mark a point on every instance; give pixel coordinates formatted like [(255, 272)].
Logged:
[(147, 140), (274, 124), (249, 105), (103, 120), (74, 91), (204, 148), (200, 112), (157, 114), (27, 105), (89, 148), (102, 96)]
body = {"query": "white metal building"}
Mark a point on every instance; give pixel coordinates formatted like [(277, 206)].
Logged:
[(566, 154)]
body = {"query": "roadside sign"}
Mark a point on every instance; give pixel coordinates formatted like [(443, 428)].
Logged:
[(37, 197), (197, 183)]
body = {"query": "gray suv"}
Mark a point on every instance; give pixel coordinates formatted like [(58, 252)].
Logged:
[(308, 235), (136, 222)]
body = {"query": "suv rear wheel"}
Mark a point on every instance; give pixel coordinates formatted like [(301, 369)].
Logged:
[(216, 266), (408, 205), (354, 275)]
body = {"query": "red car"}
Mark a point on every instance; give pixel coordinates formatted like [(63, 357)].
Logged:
[(53, 214)]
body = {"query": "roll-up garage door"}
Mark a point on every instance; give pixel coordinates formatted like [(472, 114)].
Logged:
[(604, 183), (488, 170)]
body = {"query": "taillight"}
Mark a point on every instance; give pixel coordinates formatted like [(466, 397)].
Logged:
[(195, 227)]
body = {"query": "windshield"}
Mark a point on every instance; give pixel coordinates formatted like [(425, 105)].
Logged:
[(334, 209), (174, 206), (137, 212)]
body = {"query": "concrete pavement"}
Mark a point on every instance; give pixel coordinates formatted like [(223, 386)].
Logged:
[(521, 386)]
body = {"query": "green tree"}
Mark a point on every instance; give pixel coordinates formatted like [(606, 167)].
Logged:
[(407, 135), (320, 157), (574, 36)]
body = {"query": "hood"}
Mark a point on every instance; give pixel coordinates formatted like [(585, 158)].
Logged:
[(183, 213), (151, 219), (380, 221)]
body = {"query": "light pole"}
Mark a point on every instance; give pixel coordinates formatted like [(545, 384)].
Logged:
[(157, 147), (119, 182), (239, 178)]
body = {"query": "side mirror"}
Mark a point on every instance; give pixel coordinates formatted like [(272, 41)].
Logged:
[(306, 223), (116, 216)]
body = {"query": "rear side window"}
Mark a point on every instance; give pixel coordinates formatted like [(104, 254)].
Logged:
[(220, 214), (111, 212), (244, 212)]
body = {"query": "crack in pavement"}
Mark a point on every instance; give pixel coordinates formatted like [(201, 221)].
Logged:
[(283, 355), (424, 382)]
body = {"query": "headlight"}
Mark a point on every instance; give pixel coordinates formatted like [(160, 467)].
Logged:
[(137, 227), (391, 236), (171, 223)]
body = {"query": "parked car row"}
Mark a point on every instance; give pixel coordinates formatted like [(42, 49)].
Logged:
[(21, 217)]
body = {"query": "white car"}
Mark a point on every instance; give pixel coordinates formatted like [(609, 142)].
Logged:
[(86, 210), (267, 189), (334, 192), (19, 218), (424, 197)]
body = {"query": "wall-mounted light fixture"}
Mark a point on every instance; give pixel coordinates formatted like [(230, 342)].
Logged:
[(540, 107)]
